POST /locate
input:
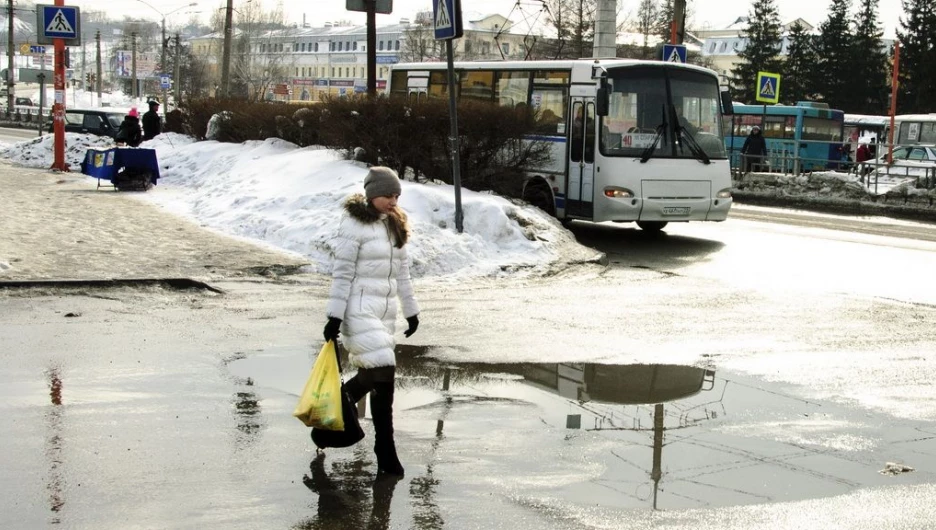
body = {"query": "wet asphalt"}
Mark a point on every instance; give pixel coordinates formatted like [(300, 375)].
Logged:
[(668, 390)]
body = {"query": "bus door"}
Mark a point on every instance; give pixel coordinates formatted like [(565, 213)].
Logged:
[(580, 183)]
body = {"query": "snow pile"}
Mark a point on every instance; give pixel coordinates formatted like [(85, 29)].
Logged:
[(275, 192), (38, 152)]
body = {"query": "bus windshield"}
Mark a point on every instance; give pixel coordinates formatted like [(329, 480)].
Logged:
[(662, 106)]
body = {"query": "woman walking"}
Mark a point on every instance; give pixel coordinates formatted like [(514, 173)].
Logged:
[(371, 271)]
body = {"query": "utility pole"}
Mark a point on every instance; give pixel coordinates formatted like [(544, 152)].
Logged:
[(84, 66), (371, 48), (97, 80), (10, 74), (175, 74), (226, 53), (163, 64), (135, 91), (678, 31)]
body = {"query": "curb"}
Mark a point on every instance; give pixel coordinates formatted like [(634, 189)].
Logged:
[(838, 206), (173, 283)]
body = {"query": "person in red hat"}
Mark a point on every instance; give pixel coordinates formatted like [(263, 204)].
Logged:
[(129, 133)]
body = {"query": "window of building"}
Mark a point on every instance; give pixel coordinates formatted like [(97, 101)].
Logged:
[(340, 45), (316, 46), (711, 48), (354, 45), (396, 46), (380, 46), (505, 47), (723, 47)]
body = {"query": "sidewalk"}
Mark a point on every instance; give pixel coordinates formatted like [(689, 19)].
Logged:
[(56, 226)]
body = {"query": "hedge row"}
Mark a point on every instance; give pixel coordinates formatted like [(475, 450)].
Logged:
[(410, 136)]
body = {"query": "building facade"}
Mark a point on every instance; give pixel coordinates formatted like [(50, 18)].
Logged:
[(306, 64)]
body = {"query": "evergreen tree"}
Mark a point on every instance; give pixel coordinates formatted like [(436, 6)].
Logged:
[(761, 50), (799, 81), (664, 21), (917, 76), (835, 66), (870, 61)]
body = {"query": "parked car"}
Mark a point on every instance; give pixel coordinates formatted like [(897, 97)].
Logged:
[(910, 161), (26, 102), (92, 121)]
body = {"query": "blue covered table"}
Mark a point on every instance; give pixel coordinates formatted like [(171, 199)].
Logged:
[(110, 164)]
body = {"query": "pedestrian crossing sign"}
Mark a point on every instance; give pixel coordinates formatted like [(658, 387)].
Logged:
[(58, 22), (768, 87), (446, 19), (674, 53)]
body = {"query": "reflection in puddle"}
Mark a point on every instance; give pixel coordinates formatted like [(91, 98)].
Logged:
[(343, 500), (53, 451), (567, 435), (248, 416), (585, 383)]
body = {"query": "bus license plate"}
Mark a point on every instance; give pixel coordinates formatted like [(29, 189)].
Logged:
[(675, 210)]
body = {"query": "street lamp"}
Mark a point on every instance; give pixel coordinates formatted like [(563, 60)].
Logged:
[(162, 59)]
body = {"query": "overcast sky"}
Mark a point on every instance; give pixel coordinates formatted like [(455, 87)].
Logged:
[(711, 13)]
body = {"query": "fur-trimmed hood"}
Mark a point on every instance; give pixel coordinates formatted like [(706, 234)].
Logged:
[(360, 209)]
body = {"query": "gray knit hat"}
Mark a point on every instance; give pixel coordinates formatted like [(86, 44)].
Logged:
[(381, 182)]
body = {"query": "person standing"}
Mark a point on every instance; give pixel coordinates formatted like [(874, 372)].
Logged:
[(754, 150), (129, 131), (152, 124), (371, 271)]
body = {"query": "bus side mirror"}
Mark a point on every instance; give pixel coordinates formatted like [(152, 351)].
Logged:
[(727, 105), (601, 100)]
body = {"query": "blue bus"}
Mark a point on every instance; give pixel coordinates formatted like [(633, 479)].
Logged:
[(802, 137)]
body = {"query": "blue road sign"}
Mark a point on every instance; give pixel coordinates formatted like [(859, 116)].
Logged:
[(165, 81), (59, 22), (768, 87), (447, 19), (674, 53)]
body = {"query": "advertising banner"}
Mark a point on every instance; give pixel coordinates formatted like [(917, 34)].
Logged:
[(146, 63)]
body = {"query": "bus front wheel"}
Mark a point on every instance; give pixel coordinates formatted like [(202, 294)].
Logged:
[(651, 226)]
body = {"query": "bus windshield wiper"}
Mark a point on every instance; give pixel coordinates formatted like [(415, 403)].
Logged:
[(661, 128), (694, 147)]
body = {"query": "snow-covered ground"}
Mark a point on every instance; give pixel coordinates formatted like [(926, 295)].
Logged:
[(275, 192)]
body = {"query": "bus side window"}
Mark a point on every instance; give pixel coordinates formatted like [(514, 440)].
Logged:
[(550, 104)]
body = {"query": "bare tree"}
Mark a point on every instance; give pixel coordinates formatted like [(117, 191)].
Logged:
[(648, 13), (419, 44)]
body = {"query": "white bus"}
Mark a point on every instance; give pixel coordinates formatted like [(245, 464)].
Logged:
[(631, 140)]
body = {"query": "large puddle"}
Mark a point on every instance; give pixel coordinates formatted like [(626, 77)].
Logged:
[(623, 436)]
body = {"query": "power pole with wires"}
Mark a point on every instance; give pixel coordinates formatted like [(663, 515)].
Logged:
[(97, 79), (10, 89)]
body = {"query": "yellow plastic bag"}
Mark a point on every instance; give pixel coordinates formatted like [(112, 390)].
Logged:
[(320, 402)]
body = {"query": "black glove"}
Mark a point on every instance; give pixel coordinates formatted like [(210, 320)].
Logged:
[(332, 329), (413, 322)]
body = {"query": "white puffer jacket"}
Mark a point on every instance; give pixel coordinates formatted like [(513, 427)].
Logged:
[(369, 274)]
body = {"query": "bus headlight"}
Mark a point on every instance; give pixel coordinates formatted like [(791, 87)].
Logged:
[(724, 194), (615, 192)]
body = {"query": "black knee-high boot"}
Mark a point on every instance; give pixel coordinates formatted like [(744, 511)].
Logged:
[(381, 401), (356, 388)]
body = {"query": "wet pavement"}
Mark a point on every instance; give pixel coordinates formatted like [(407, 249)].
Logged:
[(158, 408), (745, 375)]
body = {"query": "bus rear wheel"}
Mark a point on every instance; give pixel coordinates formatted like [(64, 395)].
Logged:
[(651, 226), (541, 198)]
